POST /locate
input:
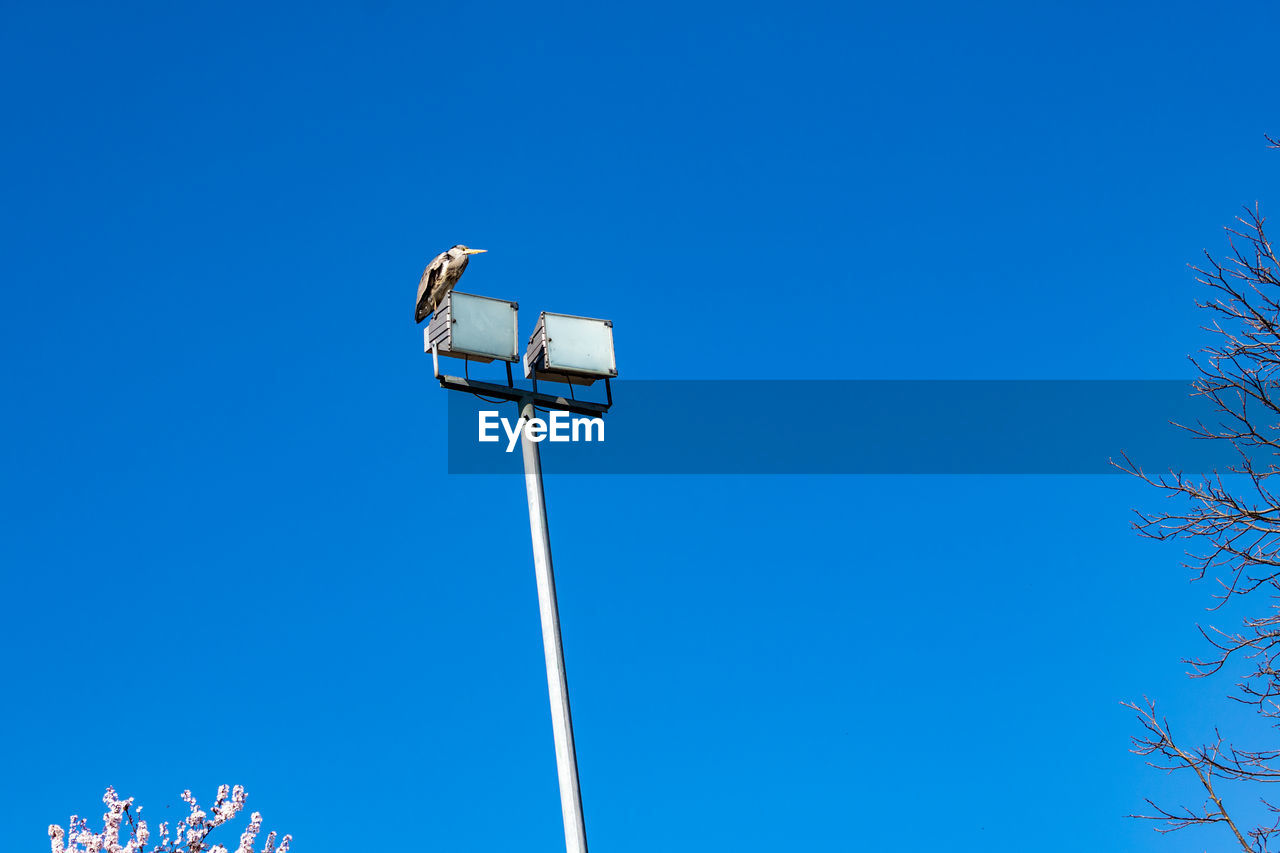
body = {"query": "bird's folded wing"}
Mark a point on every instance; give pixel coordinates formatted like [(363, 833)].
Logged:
[(428, 279), (425, 284)]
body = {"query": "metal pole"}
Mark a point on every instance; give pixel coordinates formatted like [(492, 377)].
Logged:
[(575, 828)]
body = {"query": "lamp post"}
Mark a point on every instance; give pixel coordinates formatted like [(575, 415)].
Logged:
[(575, 828), (563, 348)]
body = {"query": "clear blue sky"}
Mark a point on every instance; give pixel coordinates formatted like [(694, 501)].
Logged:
[(231, 552)]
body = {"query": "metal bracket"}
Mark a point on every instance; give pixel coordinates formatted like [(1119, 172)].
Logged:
[(521, 395)]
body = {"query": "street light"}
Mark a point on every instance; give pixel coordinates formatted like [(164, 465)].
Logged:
[(574, 350), (563, 348), (480, 328)]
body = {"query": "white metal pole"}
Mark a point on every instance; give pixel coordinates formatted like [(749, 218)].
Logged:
[(575, 829)]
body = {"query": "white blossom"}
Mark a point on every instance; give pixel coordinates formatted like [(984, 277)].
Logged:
[(188, 834)]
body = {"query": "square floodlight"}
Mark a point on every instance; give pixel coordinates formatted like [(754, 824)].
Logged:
[(564, 348), (479, 328)]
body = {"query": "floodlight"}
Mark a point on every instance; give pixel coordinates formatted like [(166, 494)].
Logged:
[(479, 328), (564, 348)]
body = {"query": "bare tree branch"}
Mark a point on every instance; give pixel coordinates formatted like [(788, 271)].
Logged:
[(1231, 520)]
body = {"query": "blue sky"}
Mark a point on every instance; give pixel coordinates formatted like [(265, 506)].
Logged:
[(232, 552)]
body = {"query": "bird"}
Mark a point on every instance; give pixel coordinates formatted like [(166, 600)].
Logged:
[(439, 278)]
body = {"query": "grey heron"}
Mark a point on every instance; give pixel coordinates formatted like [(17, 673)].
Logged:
[(439, 278)]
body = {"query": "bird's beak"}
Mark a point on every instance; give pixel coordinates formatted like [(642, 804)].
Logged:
[(476, 251)]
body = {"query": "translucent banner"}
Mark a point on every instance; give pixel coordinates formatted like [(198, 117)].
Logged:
[(856, 427)]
